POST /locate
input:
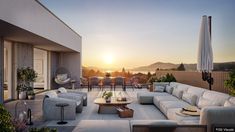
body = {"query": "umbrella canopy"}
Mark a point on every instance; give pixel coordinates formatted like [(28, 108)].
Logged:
[(205, 54)]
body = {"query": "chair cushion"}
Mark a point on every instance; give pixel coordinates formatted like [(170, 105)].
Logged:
[(62, 77), (196, 91), (189, 97), (62, 90), (166, 105)]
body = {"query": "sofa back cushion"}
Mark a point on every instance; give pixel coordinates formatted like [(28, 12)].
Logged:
[(160, 86), (212, 98), (198, 92), (169, 89), (190, 98), (177, 93)]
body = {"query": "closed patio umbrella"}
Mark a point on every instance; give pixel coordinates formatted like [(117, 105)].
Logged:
[(205, 54)]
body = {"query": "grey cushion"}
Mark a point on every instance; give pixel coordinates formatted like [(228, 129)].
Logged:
[(204, 102), (172, 115), (228, 103), (169, 89), (177, 93), (190, 98), (196, 91), (214, 96), (102, 126), (166, 105), (159, 88)]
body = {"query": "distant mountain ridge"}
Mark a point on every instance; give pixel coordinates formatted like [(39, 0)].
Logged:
[(223, 66)]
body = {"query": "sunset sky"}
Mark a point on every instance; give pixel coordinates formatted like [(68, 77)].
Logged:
[(132, 33)]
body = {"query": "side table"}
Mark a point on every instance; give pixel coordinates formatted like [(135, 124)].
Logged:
[(62, 105)]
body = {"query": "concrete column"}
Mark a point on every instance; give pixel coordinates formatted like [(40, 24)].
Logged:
[(1, 70)]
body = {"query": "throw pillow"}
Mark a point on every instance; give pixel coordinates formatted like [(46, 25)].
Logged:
[(169, 89), (62, 90), (228, 103), (159, 88), (203, 102), (177, 93), (190, 98)]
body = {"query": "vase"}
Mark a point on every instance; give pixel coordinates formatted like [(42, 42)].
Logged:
[(22, 95), (108, 100)]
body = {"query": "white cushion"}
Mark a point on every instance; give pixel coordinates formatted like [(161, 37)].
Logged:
[(203, 102), (158, 99), (228, 103), (62, 77), (216, 96), (232, 100), (51, 94), (62, 90), (177, 93), (159, 88), (169, 89), (190, 98), (165, 105)]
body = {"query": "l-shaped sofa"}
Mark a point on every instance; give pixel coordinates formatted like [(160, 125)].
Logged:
[(215, 107)]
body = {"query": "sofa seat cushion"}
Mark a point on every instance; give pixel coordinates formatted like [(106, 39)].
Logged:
[(147, 97), (158, 99), (166, 105), (102, 126), (172, 115)]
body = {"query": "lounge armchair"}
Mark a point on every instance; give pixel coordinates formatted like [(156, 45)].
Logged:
[(51, 112), (79, 93)]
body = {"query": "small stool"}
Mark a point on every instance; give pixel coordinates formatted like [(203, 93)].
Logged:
[(62, 105)]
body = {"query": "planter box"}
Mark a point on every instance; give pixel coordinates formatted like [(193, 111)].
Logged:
[(125, 112)]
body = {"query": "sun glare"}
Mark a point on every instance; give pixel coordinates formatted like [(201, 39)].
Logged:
[(108, 59)]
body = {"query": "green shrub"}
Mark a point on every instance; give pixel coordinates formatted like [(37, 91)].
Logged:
[(43, 129), (167, 78), (5, 120), (230, 83)]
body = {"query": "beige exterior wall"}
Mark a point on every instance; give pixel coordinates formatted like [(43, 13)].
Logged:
[(1, 69), (195, 79)]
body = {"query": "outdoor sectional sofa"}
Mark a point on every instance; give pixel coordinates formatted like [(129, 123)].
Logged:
[(215, 107)]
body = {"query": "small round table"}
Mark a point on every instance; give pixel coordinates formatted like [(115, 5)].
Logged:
[(62, 105)]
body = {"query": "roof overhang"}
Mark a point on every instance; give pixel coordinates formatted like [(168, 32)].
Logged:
[(28, 21)]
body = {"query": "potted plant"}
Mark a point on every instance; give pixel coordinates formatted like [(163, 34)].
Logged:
[(25, 77), (107, 96), (31, 95), (230, 83)]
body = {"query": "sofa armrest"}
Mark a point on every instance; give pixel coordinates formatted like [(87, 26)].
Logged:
[(152, 125), (217, 115), (52, 112)]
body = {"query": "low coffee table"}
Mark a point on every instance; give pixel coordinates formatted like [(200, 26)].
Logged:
[(114, 103)]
